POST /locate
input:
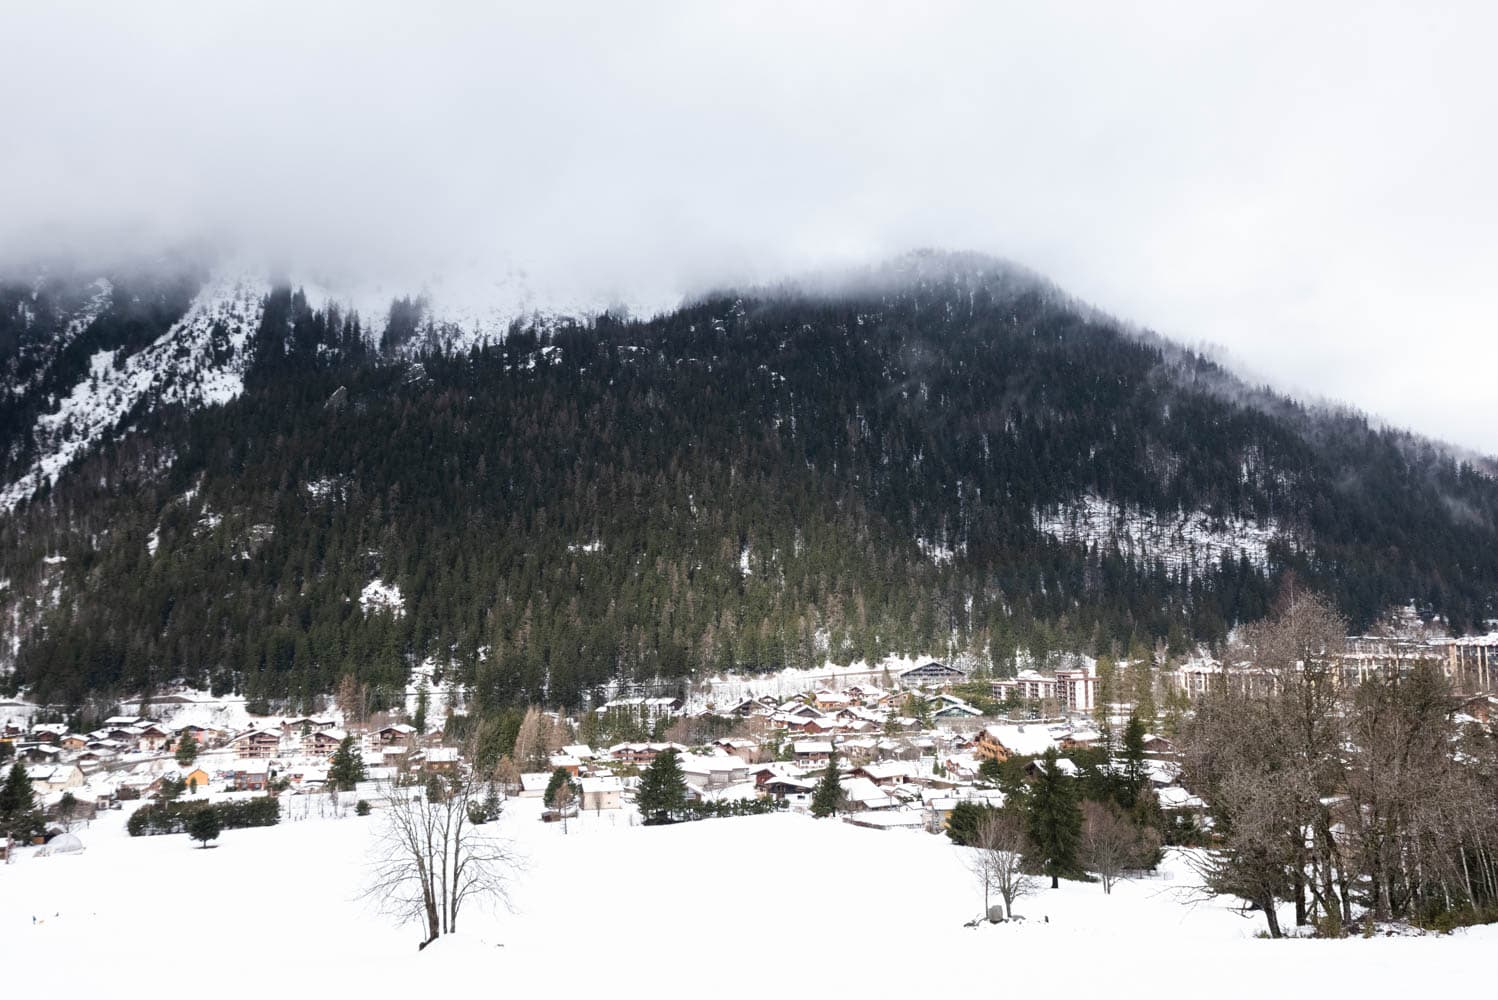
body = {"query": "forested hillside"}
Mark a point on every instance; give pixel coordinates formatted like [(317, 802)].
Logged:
[(954, 460)]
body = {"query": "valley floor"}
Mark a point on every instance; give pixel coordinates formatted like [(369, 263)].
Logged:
[(759, 906)]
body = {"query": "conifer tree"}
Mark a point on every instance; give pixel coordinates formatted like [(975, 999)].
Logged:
[(663, 789), (187, 749), (16, 797), (346, 766), (1133, 759), (1055, 820), (204, 824), (827, 797), (560, 778)]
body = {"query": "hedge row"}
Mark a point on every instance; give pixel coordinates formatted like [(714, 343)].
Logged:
[(171, 817)]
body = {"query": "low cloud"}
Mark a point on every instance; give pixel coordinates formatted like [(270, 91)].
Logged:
[(1310, 189)]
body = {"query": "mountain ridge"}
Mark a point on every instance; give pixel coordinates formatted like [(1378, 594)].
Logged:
[(928, 456)]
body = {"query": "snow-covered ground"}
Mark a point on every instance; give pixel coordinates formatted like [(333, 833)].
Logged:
[(753, 907)]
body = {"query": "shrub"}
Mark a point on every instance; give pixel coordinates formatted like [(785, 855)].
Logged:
[(361, 808)]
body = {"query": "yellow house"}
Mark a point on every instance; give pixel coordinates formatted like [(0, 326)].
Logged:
[(196, 779)]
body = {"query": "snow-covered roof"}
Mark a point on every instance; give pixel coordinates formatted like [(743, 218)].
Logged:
[(1023, 740)]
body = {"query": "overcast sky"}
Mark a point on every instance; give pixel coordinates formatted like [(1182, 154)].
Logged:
[(1309, 186)]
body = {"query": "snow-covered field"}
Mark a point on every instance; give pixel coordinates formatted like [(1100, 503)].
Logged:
[(760, 906)]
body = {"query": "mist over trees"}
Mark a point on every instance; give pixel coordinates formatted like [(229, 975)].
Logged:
[(744, 484)]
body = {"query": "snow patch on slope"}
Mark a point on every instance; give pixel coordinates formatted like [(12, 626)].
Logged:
[(40, 353), (200, 361), (1188, 540), (381, 596)]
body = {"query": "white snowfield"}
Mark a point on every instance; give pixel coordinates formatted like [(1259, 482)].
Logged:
[(758, 907)]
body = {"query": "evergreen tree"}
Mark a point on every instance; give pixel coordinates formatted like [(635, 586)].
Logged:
[(187, 749), (16, 797), (827, 797), (1133, 761), (204, 824), (965, 820), (560, 778), (346, 766), (663, 789), (423, 699), (1055, 820)]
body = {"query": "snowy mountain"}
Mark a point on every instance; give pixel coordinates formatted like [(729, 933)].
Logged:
[(248, 486), (201, 359)]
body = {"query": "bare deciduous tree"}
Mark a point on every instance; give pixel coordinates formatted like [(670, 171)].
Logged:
[(1111, 844), (429, 859), (996, 856)]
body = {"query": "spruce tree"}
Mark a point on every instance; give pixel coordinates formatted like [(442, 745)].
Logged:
[(187, 749), (346, 766), (1055, 820), (827, 797), (1133, 760), (560, 778), (16, 797), (663, 789), (203, 825)]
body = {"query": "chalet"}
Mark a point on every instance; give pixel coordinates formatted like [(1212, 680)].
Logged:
[(780, 786), (861, 793), (322, 742), (308, 724), (1154, 743), (745, 750), (707, 773), (641, 753), (204, 737), (800, 710), (1002, 742), (646, 709), (50, 778), (73, 741), (602, 793), (153, 737), (257, 743), (831, 701), (932, 674), (744, 708), (1064, 765), (50, 733), (251, 775), (40, 753), (124, 720), (397, 734), (566, 762), (195, 778), (887, 772), (812, 751), (533, 784), (579, 750), (948, 706), (864, 694), (126, 736), (1081, 739), (440, 760)]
